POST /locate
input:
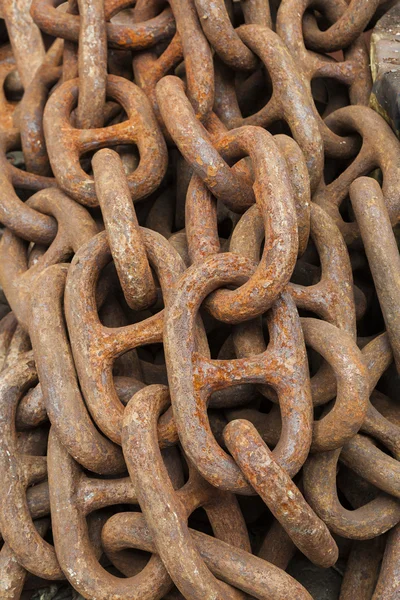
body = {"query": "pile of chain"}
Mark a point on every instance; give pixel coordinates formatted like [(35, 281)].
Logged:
[(200, 301)]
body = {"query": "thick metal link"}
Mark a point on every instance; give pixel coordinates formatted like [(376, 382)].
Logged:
[(199, 298), (381, 150), (126, 242), (353, 71), (95, 367), (225, 40), (132, 35), (194, 377), (74, 227), (70, 143), (289, 100), (25, 38)]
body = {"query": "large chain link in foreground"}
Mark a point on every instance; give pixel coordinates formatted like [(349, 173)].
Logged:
[(200, 332)]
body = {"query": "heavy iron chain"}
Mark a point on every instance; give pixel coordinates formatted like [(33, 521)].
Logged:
[(202, 300)]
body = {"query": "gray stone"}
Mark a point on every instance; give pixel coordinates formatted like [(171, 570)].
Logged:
[(385, 67)]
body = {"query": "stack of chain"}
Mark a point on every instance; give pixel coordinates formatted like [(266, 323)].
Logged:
[(200, 301)]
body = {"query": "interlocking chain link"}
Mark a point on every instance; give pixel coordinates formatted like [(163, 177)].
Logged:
[(200, 301)]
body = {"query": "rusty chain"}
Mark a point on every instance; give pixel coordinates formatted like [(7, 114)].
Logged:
[(199, 301)]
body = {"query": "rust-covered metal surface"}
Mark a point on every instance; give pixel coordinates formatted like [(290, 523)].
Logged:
[(199, 303)]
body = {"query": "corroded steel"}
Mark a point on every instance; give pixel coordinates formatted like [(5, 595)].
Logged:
[(200, 301)]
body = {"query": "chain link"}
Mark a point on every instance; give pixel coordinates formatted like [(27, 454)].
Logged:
[(200, 347)]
